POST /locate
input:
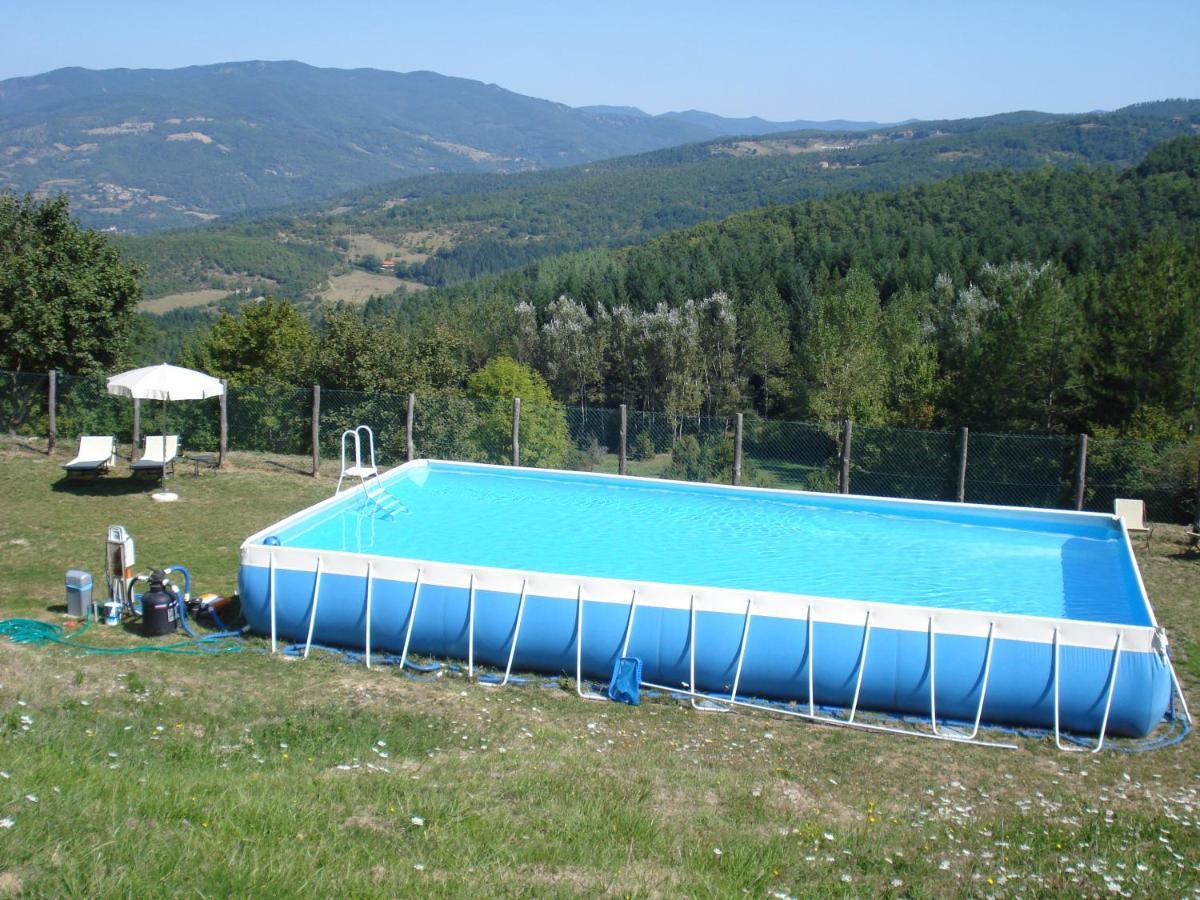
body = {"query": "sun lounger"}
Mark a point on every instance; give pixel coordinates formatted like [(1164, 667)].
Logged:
[(157, 452), (97, 454)]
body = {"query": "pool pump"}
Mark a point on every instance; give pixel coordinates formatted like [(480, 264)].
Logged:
[(160, 606)]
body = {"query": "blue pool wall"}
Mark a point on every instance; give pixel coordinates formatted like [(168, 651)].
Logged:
[(896, 679)]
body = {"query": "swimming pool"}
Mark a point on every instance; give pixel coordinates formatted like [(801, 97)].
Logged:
[(984, 613)]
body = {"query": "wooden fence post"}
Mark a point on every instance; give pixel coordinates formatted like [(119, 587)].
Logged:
[(964, 444), (223, 446), (737, 450), (137, 426), (52, 411), (1081, 471), (847, 434), (516, 434), (622, 450), (408, 427), (316, 430)]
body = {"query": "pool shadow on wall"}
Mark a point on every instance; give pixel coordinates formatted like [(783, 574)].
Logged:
[(1099, 586)]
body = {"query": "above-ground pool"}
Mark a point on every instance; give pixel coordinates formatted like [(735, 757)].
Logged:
[(942, 610)]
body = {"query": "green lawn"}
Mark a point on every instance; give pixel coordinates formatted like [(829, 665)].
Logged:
[(238, 774)]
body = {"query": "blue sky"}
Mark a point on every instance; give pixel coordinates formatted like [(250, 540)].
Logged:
[(780, 60)]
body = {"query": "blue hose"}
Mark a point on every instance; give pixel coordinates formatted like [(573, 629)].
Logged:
[(187, 592)]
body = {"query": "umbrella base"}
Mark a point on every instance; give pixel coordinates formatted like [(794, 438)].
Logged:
[(164, 496)]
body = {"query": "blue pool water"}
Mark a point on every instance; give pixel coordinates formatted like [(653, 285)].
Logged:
[(1070, 567)]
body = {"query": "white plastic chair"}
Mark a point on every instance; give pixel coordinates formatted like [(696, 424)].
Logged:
[(97, 453), (1133, 512)]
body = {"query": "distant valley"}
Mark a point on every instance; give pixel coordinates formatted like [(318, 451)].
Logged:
[(438, 230)]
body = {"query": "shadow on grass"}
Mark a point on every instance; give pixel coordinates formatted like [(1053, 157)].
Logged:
[(104, 486), (284, 467)]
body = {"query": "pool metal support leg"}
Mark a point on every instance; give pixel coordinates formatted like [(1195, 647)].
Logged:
[(1112, 684), (271, 594), (862, 667), (705, 704), (412, 618), (312, 618), (471, 627), (737, 674), (512, 651), (950, 734), (367, 615), (586, 695), (812, 710)]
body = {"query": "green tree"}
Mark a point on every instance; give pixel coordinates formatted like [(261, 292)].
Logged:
[(911, 351), (844, 362), (544, 435), (1016, 336), (67, 300), (573, 350), (764, 339), (268, 341), (1144, 329)]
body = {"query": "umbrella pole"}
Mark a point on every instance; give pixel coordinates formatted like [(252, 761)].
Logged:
[(164, 437)]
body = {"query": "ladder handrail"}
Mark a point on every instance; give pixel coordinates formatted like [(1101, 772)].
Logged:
[(362, 471)]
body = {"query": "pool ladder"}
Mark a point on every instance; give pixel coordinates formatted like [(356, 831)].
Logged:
[(379, 501)]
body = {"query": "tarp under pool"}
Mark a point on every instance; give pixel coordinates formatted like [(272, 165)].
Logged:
[(898, 606)]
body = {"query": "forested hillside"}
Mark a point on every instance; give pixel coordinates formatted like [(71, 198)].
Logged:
[(1049, 300), (445, 229)]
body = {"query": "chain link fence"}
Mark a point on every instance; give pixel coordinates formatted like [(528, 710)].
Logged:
[(277, 422)]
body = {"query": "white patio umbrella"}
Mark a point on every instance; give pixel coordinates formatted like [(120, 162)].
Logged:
[(165, 382)]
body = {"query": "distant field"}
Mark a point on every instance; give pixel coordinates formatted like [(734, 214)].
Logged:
[(182, 300), (356, 287)]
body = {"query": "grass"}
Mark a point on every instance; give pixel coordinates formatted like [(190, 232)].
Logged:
[(247, 774), (358, 286)]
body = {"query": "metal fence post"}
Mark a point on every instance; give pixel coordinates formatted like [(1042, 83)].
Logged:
[(1081, 472), (137, 425), (408, 427), (737, 450), (316, 430), (965, 440), (516, 435), (847, 434), (223, 446), (624, 437), (52, 411)]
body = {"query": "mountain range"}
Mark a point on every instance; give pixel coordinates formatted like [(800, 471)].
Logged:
[(147, 149)]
